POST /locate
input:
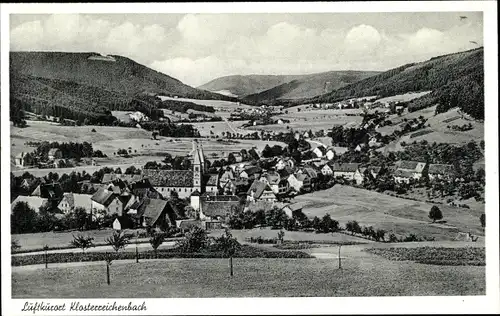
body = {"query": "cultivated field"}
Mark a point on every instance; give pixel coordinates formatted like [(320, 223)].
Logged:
[(219, 127), (362, 274), (393, 214)]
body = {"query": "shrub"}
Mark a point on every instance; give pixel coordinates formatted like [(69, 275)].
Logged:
[(93, 130), (435, 213), (196, 239), (482, 219)]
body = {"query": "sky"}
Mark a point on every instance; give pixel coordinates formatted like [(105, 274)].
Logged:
[(196, 48)]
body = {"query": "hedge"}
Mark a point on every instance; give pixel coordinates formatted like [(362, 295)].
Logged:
[(244, 252)]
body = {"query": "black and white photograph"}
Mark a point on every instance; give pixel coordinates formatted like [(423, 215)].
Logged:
[(175, 154)]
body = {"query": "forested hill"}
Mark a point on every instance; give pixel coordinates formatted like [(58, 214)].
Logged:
[(455, 80), (247, 84), (88, 84)]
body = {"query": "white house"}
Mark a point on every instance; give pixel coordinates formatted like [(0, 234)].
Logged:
[(70, 201)]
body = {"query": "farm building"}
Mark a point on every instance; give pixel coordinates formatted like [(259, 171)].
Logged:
[(51, 191), (285, 162), (260, 190), (70, 201), (348, 171), (23, 159), (403, 176), (218, 207), (441, 171), (416, 168), (54, 153), (291, 209)]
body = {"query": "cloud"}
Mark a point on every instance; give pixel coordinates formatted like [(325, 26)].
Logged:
[(196, 48)]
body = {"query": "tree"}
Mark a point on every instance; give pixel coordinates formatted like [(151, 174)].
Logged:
[(379, 235), (156, 239), (196, 239), (482, 219), (281, 235), (23, 218), (81, 218), (328, 224), (118, 240), (108, 257), (353, 227), (228, 245), (435, 213), (131, 170), (83, 242), (14, 245)]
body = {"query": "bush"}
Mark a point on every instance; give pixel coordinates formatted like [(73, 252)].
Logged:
[(434, 255)]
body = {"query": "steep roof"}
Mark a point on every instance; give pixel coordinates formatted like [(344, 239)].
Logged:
[(48, 190), (153, 209), (169, 178), (441, 169), (220, 206), (103, 196), (311, 172), (295, 206), (272, 178), (344, 167), (403, 173), (109, 177), (301, 176), (252, 170), (322, 149), (212, 179), (407, 164), (257, 187)]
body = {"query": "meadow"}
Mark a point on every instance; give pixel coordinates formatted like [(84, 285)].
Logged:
[(393, 214), (362, 274)]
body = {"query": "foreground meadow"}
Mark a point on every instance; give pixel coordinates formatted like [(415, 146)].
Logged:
[(362, 274)]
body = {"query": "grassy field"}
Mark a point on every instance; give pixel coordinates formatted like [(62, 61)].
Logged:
[(438, 125), (404, 97), (218, 127), (58, 239), (393, 214), (363, 274)]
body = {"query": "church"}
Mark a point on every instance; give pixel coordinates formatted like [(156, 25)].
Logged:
[(185, 182)]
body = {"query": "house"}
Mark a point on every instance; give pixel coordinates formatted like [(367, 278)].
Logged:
[(416, 168), (211, 182), (284, 162), (299, 181), (252, 172), (34, 202), (293, 208), (129, 178), (327, 169), (403, 176), (218, 208), (283, 186), (235, 156), (157, 213), (373, 170), (272, 179), (360, 147), (348, 171), (441, 171), (51, 191), (70, 201), (228, 175), (54, 153), (23, 159), (319, 152), (260, 190), (115, 198)]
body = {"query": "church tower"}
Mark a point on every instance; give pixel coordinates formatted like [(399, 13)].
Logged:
[(197, 167)]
